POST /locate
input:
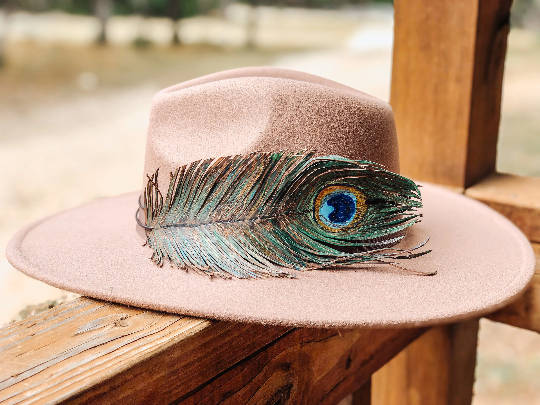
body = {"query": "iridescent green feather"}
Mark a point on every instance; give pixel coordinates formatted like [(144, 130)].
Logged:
[(254, 215)]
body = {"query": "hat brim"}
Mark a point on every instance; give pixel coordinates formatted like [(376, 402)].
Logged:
[(482, 261)]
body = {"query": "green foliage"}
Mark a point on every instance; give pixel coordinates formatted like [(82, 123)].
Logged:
[(142, 43), (155, 8), (162, 8), (69, 6), (327, 4)]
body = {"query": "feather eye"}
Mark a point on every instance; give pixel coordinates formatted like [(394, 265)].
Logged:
[(257, 215), (339, 207)]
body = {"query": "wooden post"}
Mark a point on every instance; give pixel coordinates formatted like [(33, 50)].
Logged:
[(447, 73), (446, 87), (174, 12), (437, 368), (102, 10)]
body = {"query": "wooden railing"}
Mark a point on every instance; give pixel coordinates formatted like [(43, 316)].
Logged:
[(89, 351), (446, 92)]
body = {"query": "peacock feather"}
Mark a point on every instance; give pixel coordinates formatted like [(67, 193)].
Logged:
[(261, 214)]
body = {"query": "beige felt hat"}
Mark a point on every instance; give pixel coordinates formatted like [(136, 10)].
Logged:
[(97, 249)]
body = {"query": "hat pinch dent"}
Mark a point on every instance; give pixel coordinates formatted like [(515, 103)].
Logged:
[(261, 214)]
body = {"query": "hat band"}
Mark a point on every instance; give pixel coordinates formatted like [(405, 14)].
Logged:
[(265, 213)]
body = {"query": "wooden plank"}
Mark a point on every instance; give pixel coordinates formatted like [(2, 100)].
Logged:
[(88, 351), (77, 349), (515, 197), (447, 72), (438, 368), (525, 311), (307, 366)]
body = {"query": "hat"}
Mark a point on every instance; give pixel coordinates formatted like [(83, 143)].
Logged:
[(98, 249)]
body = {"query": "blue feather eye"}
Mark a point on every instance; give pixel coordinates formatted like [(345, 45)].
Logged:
[(338, 207)]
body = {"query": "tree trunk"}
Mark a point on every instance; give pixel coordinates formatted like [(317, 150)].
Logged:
[(103, 11), (7, 7), (174, 13), (251, 28)]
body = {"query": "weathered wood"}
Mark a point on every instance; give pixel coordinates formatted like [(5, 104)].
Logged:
[(525, 311), (515, 197), (447, 72), (91, 350), (88, 351), (307, 366), (438, 368)]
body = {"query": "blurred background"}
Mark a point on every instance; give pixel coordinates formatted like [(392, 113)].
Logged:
[(77, 78)]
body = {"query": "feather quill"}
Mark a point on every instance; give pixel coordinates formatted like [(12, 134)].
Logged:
[(262, 214)]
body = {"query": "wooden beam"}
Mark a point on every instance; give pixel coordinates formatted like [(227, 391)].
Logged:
[(515, 197), (525, 311), (447, 73), (438, 368), (307, 366), (88, 351)]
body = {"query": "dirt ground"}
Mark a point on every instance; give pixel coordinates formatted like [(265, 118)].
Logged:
[(73, 125)]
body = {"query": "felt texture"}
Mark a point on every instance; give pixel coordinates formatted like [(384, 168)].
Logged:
[(482, 260), (97, 250), (236, 113)]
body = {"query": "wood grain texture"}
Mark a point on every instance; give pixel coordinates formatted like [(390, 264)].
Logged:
[(438, 368), (88, 351), (515, 197), (447, 72), (525, 311), (307, 366)]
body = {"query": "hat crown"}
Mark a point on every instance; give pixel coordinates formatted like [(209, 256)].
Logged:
[(266, 109)]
